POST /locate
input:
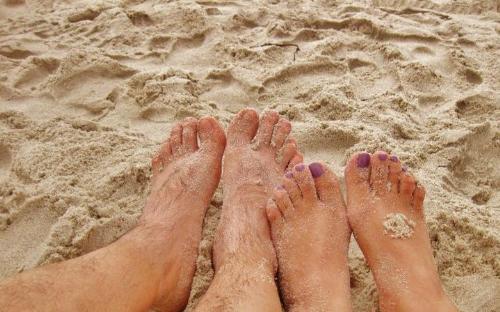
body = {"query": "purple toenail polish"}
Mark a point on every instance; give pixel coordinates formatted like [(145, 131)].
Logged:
[(394, 158), (300, 167), (280, 187), (316, 170), (363, 160), (382, 157), (405, 168), (289, 175)]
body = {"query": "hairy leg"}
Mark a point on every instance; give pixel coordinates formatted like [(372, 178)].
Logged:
[(256, 157), (152, 266)]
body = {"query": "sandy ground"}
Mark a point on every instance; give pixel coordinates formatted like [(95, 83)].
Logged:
[(88, 90)]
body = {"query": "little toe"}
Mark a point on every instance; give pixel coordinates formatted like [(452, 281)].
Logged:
[(418, 197), (394, 172), (212, 137), (304, 180), (189, 136), (243, 127), (273, 213), (282, 200), (280, 133), (288, 152), (266, 128), (292, 188), (326, 182), (176, 140), (379, 172), (357, 175), (407, 186)]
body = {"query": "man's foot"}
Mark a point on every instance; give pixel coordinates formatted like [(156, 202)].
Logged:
[(257, 155), (385, 211), (185, 175), (311, 236)]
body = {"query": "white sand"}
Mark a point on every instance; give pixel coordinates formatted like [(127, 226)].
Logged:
[(88, 89)]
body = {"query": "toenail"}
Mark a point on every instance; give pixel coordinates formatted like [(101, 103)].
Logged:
[(280, 187), (316, 170), (394, 158), (300, 167), (382, 156), (363, 160), (289, 174), (405, 168)]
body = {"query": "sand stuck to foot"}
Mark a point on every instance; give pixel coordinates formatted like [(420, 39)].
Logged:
[(89, 89)]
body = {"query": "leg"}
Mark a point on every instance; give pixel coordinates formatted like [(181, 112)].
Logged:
[(152, 266), (311, 235), (385, 211), (244, 257)]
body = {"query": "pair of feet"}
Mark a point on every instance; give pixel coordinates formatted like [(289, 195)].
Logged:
[(280, 213)]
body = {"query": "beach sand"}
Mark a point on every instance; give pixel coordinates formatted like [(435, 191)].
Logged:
[(89, 89)]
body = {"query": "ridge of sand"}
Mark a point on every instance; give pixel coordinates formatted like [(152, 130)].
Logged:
[(88, 89)]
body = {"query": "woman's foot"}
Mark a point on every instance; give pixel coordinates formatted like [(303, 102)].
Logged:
[(311, 236), (385, 211), (186, 172), (257, 155)]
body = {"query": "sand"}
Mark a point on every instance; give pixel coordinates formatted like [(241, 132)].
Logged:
[(88, 90), (397, 225)]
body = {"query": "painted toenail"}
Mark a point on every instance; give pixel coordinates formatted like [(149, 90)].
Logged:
[(394, 158), (280, 187), (300, 167), (405, 168), (363, 160), (382, 156), (316, 170), (289, 174)]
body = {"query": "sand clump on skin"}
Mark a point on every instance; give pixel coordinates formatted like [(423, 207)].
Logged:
[(397, 225), (90, 89)]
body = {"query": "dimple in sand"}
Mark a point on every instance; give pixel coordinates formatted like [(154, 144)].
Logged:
[(280, 217)]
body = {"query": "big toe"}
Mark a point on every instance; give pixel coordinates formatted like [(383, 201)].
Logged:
[(212, 137), (326, 182), (243, 127), (357, 176)]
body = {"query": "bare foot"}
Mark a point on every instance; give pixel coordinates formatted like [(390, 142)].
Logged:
[(256, 157), (311, 235), (185, 176), (385, 211)]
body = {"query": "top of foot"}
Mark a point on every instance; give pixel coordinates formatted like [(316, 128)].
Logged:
[(385, 211), (257, 155), (311, 235)]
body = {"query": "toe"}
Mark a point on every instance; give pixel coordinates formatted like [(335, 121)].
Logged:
[(418, 197), (297, 159), (357, 174), (304, 180), (189, 137), (176, 139), (326, 182), (273, 212), (394, 172), (288, 151), (266, 128), (212, 137), (292, 188), (283, 201), (379, 172), (243, 127), (407, 186), (156, 164), (280, 133)]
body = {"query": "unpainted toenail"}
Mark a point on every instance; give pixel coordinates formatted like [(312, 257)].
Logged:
[(316, 170), (382, 157), (394, 158), (289, 175), (363, 160), (300, 167)]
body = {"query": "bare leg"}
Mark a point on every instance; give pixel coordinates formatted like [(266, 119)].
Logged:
[(244, 257), (385, 211), (311, 235), (152, 266)]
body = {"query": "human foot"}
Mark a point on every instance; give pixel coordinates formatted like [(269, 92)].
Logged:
[(385, 211), (185, 176), (311, 236), (257, 155)]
